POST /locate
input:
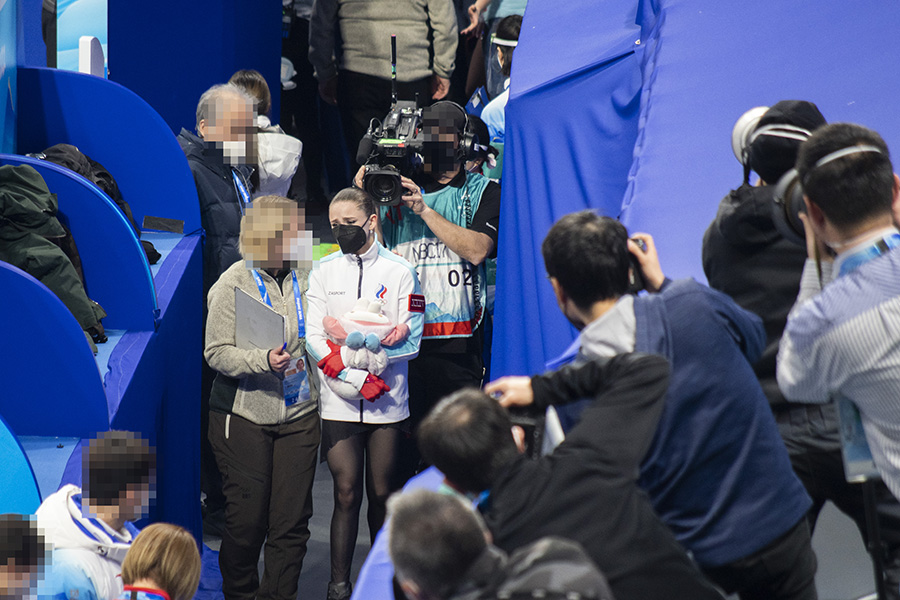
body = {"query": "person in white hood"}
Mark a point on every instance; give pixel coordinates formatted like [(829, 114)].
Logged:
[(91, 530)]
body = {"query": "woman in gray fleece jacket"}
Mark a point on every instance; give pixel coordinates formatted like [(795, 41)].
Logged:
[(264, 423)]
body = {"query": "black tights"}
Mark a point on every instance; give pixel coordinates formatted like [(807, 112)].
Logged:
[(345, 460)]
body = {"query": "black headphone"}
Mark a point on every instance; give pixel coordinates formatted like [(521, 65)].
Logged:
[(789, 132), (468, 139), (789, 194)]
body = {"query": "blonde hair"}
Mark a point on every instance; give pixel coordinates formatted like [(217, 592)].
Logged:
[(167, 555), (261, 223)]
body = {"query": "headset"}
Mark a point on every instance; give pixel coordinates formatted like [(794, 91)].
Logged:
[(745, 133), (789, 194), (468, 139)]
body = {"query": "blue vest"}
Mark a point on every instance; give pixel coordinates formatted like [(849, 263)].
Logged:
[(454, 289)]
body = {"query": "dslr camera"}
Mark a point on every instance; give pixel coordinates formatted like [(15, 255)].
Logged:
[(391, 149)]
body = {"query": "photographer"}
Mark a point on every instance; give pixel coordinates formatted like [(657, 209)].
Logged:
[(586, 489), (841, 337), (717, 471), (446, 226), (746, 257)]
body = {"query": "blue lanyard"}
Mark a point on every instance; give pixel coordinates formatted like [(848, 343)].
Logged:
[(298, 301), (878, 248), (242, 190)]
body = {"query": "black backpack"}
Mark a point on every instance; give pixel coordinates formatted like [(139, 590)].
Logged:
[(70, 157)]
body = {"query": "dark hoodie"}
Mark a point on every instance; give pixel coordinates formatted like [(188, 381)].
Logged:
[(745, 257), (220, 205), (550, 568)]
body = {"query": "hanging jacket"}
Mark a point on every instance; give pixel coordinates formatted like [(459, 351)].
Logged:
[(28, 223)]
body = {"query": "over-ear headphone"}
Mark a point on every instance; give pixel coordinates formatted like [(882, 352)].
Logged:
[(468, 139), (789, 194)]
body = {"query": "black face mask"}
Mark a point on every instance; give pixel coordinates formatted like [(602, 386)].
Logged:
[(440, 157), (351, 238)]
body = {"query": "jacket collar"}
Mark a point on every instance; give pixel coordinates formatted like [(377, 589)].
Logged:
[(194, 146), (367, 257)]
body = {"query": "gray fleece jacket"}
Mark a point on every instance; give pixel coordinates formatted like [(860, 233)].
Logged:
[(245, 385), (424, 28)]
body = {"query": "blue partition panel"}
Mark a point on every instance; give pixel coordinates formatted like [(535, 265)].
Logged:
[(115, 267), (571, 124), (51, 385), (19, 490), (115, 127)]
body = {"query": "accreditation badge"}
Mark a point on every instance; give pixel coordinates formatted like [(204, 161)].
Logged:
[(295, 385)]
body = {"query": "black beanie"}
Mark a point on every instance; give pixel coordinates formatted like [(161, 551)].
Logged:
[(771, 156)]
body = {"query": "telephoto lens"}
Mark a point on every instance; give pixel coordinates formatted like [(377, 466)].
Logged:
[(383, 184)]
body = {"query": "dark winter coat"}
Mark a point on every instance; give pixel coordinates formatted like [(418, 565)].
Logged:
[(220, 205)]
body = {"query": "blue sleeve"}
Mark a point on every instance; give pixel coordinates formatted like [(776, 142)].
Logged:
[(744, 327), (64, 579)]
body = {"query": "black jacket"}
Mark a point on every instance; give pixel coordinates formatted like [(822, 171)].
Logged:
[(586, 490), (745, 257), (220, 205)]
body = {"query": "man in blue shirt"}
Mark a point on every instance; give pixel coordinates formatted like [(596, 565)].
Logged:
[(841, 336), (717, 472)]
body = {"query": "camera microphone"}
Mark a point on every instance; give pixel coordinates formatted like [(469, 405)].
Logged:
[(365, 150)]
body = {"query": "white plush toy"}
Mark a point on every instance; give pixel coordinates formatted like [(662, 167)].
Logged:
[(365, 326)]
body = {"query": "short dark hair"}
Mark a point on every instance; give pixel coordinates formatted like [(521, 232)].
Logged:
[(508, 29), (21, 541), (853, 188), (468, 437), (360, 198), (114, 462), (588, 255), (433, 539)]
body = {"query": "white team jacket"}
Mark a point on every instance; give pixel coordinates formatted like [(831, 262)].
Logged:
[(88, 543), (334, 286)]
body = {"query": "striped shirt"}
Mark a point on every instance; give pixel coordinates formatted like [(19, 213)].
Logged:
[(844, 341)]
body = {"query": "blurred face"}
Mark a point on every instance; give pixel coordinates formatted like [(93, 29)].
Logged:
[(274, 236), (441, 142), (352, 229), (16, 581), (230, 128)]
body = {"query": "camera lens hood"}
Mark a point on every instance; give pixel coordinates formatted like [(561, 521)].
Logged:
[(787, 204), (743, 129)]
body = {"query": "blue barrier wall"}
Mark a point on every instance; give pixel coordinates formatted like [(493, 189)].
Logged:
[(115, 267), (170, 51), (19, 492), (115, 127), (66, 397), (8, 52), (664, 168)]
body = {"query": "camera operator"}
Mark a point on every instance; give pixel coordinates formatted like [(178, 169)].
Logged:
[(446, 226), (441, 550), (349, 47), (717, 471), (841, 336), (746, 257)]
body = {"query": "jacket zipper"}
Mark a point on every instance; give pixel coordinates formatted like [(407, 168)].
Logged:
[(358, 296)]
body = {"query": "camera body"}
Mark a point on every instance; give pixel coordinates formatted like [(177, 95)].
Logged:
[(636, 281), (392, 149)]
